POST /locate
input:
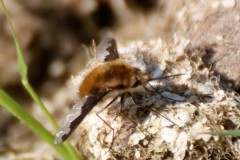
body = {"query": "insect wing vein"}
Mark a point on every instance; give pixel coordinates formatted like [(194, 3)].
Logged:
[(76, 115), (107, 50)]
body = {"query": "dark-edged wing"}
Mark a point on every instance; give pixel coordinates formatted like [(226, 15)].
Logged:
[(107, 50), (76, 116)]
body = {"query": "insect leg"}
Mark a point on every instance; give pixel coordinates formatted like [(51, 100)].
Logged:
[(130, 118), (113, 100), (121, 105), (159, 93), (152, 109), (167, 76), (157, 113)]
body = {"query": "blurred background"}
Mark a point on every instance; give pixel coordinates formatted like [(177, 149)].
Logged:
[(54, 35)]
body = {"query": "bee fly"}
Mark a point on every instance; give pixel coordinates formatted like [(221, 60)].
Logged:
[(113, 75)]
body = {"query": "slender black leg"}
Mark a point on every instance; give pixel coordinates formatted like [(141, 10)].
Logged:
[(121, 105), (159, 93), (152, 110), (113, 100)]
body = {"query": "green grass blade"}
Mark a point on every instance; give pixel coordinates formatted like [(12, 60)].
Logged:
[(68, 146), (18, 111), (40, 103), (72, 151), (234, 133), (21, 62), (23, 72)]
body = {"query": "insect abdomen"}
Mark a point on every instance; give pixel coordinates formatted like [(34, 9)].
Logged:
[(113, 74)]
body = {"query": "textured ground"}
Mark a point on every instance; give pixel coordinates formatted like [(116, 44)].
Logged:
[(199, 38)]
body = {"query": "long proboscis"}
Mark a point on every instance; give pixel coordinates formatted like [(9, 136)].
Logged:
[(164, 77)]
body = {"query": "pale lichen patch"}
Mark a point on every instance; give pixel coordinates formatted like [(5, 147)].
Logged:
[(165, 124)]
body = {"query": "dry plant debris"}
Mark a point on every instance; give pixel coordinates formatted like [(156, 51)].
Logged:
[(140, 133), (198, 30)]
